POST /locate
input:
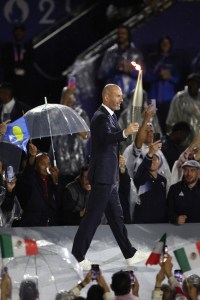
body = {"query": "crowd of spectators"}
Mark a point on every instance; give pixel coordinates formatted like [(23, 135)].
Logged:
[(124, 285)]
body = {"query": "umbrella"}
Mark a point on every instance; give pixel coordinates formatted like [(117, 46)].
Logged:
[(53, 269), (10, 155), (52, 120)]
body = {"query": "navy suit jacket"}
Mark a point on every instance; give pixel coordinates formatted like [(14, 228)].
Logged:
[(105, 138)]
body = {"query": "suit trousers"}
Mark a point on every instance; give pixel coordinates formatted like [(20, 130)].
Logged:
[(103, 198)]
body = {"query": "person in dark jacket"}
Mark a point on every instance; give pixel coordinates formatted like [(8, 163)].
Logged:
[(38, 191), (74, 199), (184, 196), (151, 188)]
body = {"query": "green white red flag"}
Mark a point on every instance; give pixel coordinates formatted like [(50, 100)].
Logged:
[(188, 257), (14, 246), (157, 253)]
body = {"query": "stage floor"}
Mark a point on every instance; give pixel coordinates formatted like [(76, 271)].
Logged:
[(103, 251)]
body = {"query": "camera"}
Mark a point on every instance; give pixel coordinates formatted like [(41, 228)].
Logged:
[(153, 104), (10, 174), (156, 137), (178, 274), (95, 271)]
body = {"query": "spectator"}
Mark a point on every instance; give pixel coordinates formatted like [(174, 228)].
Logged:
[(6, 285), (74, 293), (183, 197), (174, 143), (10, 107), (38, 191), (191, 286), (17, 59), (70, 150), (135, 153), (10, 209), (191, 152), (163, 76), (28, 290), (151, 188), (116, 64), (127, 114), (163, 291), (122, 287), (74, 199), (185, 105)]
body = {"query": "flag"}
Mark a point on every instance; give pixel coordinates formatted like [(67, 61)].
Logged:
[(137, 99), (14, 246), (158, 251), (188, 257), (17, 133)]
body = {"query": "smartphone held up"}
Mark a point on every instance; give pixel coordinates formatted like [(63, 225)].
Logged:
[(95, 271)]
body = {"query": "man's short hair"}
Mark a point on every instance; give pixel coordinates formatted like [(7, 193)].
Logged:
[(121, 283)]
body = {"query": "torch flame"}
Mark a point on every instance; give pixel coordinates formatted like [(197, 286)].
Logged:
[(136, 66)]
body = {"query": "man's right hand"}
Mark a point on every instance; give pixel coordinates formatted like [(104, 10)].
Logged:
[(131, 129)]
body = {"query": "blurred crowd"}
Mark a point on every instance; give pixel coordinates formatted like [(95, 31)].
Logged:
[(159, 166)]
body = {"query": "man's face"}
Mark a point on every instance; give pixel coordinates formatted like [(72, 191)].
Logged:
[(42, 163), (113, 98), (122, 36), (149, 134), (85, 183), (5, 95), (193, 88), (155, 163), (190, 174)]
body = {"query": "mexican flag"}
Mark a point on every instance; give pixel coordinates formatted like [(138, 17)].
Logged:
[(14, 246), (188, 257), (158, 250)]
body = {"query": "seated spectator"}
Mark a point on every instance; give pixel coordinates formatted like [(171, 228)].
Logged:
[(173, 144), (183, 196), (191, 286), (135, 153), (185, 105), (151, 188), (28, 290), (116, 64), (74, 199), (122, 286), (38, 191)]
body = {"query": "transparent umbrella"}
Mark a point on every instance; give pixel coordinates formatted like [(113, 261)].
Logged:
[(53, 270), (52, 120)]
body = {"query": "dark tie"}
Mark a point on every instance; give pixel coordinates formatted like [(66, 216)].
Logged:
[(115, 117)]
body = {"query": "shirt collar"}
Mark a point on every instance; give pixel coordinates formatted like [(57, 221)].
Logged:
[(9, 106), (111, 112)]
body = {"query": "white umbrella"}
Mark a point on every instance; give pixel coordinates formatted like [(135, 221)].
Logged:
[(53, 120)]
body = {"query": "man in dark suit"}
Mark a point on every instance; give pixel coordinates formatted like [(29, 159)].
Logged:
[(106, 135), (10, 108)]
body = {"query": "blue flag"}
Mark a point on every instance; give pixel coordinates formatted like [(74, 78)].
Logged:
[(17, 133)]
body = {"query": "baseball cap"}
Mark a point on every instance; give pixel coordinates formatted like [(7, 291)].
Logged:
[(191, 163)]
